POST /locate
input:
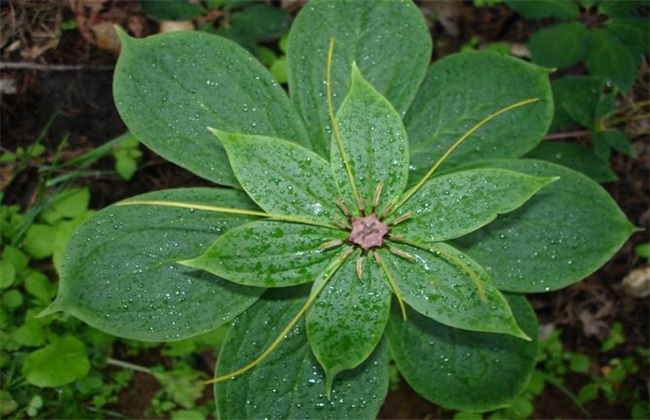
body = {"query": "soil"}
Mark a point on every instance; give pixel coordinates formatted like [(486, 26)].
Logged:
[(79, 104)]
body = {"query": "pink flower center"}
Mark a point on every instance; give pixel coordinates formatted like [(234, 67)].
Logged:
[(368, 232)]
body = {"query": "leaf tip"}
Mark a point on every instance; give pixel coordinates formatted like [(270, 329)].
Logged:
[(122, 35), (551, 179), (192, 263), (356, 77), (519, 333), (223, 136), (53, 308), (330, 374), (216, 131)]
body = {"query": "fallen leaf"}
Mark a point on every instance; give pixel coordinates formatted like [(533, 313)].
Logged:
[(637, 283), (592, 326), (176, 25)]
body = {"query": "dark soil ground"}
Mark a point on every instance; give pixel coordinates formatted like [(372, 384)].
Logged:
[(80, 103)]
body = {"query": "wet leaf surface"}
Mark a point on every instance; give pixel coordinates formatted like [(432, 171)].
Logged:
[(120, 272), (290, 383), (464, 370)]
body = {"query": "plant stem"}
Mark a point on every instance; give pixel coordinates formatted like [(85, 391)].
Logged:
[(623, 119), (633, 105), (567, 135), (52, 67), (553, 381), (128, 365)]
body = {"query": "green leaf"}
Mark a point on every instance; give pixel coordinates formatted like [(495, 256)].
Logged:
[(601, 148), (640, 410), (575, 101), (347, 320), (374, 140), (456, 204), (12, 299), (615, 139), (575, 156), (8, 157), (282, 177), (561, 45), (446, 285), (563, 234), (7, 273), (609, 59), (18, 259), (537, 9), (120, 273), (60, 363), (464, 370), (579, 362), (64, 231), (643, 250), (462, 89), (606, 106), (38, 241), (464, 415), (588, 392), (7, 404), (38, 285), (228, 4), (183, 385), (375, 35), (521, 408), (187, 415), (169, 88), (619, 7), (266, 56), (279, 70), (125, 165), (68, 203), (633, 31), (171, 9), (283, 44), (256, 23), (31, 333), (290, 383), (269, 254)]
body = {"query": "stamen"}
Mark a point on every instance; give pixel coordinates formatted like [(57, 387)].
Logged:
[(360, 261), (375, 198), (342, 206), (360, 204), (340, 223), (401, 253), (403, 217), (387, 210), (331, 244)]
